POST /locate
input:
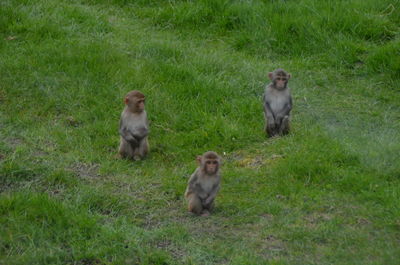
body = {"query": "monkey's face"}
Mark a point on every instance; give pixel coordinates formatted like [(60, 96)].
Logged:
[(135, 104), (280, 81), (139, 105), (279, 78), (211, 166)]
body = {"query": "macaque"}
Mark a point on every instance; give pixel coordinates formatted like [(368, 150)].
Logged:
[(204, 184), (277, 103), (134, 127)]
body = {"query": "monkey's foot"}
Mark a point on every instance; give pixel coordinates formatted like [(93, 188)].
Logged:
[(205, 213)]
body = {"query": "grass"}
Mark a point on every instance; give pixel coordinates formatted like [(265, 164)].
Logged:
[(328, 193)]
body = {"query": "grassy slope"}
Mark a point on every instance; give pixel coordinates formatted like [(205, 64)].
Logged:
[(327, 193)]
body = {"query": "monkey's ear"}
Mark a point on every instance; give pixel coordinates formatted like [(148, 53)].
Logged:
[(198, 159), (270, 75), (289, 76), (126, 100)]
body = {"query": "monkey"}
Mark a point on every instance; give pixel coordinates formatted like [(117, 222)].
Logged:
[(204, 184), (134, 127), (277, 101)]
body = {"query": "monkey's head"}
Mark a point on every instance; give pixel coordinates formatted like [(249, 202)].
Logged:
[(209, 162), (279, 78), (135, 101)]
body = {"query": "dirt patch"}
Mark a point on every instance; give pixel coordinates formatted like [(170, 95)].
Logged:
[(275, 156), (72, 122), (268, 246), (273, 159), (233, 156), (46, 148), (86, 171), (14, 142), (267, 216), (251, 162), (280, 197), (11, 37), (175, 251), (40, 153), (315, 219), (273, 243), (363, 221)]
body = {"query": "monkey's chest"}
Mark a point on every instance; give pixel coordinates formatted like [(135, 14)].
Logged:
[(205, 188), (141, 131), (138, 127), (277, 102), (207, 185)]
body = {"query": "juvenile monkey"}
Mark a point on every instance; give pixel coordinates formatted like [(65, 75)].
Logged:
[(134, 127), (277, 103), (204, 184)]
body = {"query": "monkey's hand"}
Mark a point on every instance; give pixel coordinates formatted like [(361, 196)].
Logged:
[(278, 121), (129, 137), (209, 200), (133, 142), (141, 132), (271, 124)]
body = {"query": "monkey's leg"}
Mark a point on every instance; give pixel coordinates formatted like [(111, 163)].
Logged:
[(205, 212), (136, 152), (271, 129), (143, 149), (125, 149), (195, 204), (209, 206), (284, 128), (266, 128)]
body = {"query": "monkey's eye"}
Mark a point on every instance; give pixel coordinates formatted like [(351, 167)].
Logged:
[(278, 79), (214, 162)]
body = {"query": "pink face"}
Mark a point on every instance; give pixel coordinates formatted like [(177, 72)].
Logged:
[(140, 105), (135, 104), (211, 166), (280, 81)]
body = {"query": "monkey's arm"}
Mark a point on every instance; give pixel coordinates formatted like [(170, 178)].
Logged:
[(191, 184), (268, 112), (212, 195), (285, 111), (127, 135)]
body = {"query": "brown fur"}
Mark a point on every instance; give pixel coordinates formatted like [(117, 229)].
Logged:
[(135, 94), (277, 102), (204, 184), (134, 127)]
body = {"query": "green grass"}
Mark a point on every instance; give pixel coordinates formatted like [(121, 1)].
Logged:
[(328, 193)]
